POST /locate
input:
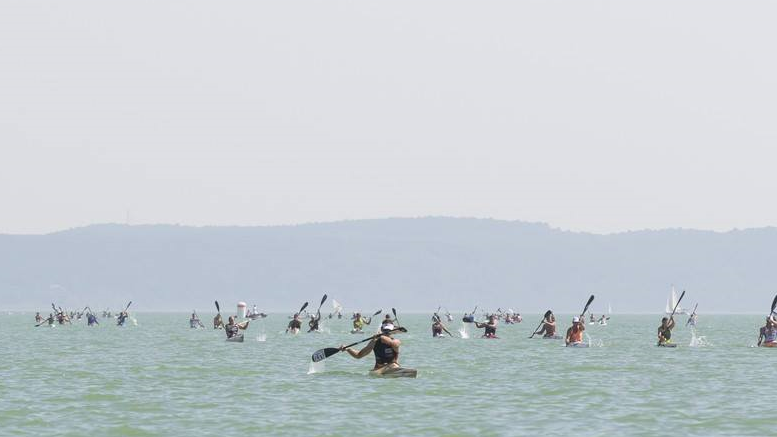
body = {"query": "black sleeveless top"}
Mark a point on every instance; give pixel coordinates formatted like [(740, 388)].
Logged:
[(490, 330), (384, 354)]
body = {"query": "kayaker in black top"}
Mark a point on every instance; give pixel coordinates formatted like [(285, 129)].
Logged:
[(294, 325), (438, 327), (384, 347), (232, 328), (490, 327), (665, 331), (313, 323)]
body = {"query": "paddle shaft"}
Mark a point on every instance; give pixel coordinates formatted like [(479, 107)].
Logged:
[(677, 304)]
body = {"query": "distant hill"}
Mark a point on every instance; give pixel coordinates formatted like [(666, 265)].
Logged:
[(411, 264)]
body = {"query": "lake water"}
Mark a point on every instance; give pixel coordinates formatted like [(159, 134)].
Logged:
[(161, 378)]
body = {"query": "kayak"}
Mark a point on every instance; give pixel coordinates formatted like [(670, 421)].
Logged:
[(770, 344), (555, 337), (438, 336), (357, 331), (578, 344), (667, 345), (394, 372), (490, 337), (236, 339)]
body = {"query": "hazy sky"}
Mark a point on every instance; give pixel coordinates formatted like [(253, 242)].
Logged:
[(589, 115)]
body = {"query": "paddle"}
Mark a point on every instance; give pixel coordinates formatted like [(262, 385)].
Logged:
[(774, 305), (678, 304), (218, 308), (323, 354), (692, 315), (323, 299), (304, 305), (394, 311), (591, 299), (547, 314)]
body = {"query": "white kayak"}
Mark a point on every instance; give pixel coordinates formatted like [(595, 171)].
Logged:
[(394, 372), (236, 339)]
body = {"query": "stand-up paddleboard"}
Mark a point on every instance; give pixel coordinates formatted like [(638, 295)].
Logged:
[(236, 339), (394, 372)]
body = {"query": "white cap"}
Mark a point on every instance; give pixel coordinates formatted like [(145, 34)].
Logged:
[(575, 319), (387, 327)]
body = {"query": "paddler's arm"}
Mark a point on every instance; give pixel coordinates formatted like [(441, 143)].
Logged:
[(362, 353), (671, 323), (243, 325)]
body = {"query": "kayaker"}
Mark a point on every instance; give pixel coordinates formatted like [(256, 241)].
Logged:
[(438, 327), (575, 332), (386, 321), (122, 318), (38, 318), (294, 324), (194, 321), (359, 322), (692, 320), (50, 320), (490, 327), (91, 319), (665, 331), (548, 329), (767, 336), (313, 323), (468, 318), (232, 328), (218, 322), (385, 348), (591, 318)]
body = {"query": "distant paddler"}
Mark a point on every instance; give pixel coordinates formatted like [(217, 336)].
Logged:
[(438, 328), (489, 327), (359, 322), (548, 329), (233, 328), (693, 318), (194, 321), (767, 337), (314, 322), (38, 317), (574, 337), (218, 322), (294, 324), (665, 331), (91, 319), (667, 324)]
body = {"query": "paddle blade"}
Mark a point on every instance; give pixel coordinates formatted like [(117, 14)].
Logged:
[(774, 304), (218, 308), (394, 311), (128, 305), (323, 354), (547, 314), (590, 299), (323, 299), (377, 312), (304, 305)]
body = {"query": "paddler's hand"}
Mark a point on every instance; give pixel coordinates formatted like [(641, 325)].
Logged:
[(342, 348)]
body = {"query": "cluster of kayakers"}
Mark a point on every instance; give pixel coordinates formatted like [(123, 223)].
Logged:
[(62, 317)]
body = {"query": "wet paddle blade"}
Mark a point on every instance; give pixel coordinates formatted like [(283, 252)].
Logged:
[(774, 304), (304, 305), (218, 308), (377, 312), (590, 299), (323, 354)]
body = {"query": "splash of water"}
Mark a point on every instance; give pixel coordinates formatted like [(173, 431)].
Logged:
[(698, 340), (463, 331), (318, 367), (261, 337)]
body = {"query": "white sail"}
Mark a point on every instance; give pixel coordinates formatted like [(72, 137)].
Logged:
[(609, 308)]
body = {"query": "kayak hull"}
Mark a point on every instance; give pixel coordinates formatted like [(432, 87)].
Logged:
[(394, 372), (773, 344), (236, 339), (578, 344), (667, 345)]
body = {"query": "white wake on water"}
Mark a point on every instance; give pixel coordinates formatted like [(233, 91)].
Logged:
[(463, 330), (698, 340)]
